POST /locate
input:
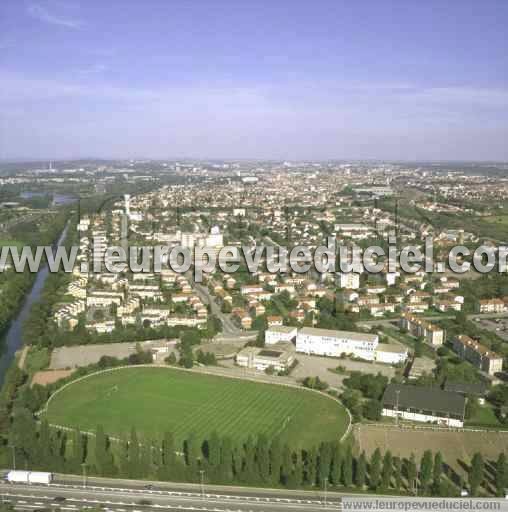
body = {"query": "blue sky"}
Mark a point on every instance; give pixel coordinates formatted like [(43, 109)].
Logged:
[(254, 79)]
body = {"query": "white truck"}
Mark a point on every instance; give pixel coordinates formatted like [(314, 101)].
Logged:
[(29, 477)]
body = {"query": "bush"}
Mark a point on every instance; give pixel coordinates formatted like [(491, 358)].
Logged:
[(141, 357), (206, 358), (315, 383), (372, 410), (443, 351), (171, 359), (371, 386), (270, 370)]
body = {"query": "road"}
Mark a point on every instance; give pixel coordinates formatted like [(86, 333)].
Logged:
[(228, 326), (392, 321), (68, 493)]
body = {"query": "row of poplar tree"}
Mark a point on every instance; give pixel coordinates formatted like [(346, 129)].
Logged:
[(259, 461)]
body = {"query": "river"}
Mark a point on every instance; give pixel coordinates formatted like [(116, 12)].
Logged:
[(12, 341)]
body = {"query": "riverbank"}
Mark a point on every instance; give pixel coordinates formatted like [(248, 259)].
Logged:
[(13, 340)]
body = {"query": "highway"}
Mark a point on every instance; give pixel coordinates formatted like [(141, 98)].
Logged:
[(69, 493)]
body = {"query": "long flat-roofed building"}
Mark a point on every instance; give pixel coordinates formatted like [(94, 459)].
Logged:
[(261, 359), (327, 342), (391, 353), (427, 405), (279, 333)]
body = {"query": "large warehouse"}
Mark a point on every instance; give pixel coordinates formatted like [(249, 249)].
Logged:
[(428, 405)]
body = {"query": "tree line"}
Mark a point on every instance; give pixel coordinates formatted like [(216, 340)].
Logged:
[(255, 461), (15, 285)]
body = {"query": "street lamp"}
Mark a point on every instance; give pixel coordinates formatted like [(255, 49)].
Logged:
[(202, 475), (13, 448), (397, 393), (83, 467)]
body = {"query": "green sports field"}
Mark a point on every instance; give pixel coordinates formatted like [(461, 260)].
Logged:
[(7, 242), (155, 400)]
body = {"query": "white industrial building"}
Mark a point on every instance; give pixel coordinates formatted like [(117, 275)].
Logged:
[(326, 342), (261, 359), (391, 353), (279, 333)]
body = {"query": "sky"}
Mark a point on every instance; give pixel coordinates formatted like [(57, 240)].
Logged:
[(267, 79)]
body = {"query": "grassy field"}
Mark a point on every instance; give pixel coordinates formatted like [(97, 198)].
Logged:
[(408, 340), (484, 417), (497, 219), (36, 359), (155, 400), (6, 242)]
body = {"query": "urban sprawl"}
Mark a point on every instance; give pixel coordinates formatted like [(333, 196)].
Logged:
[(399, 349)]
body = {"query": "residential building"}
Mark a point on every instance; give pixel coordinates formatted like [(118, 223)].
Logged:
[(478, 355), (432, 334), (381, 309), (444, 305), (353, 230), (416, 307), (274, 320), (490, 306), (349, 280)]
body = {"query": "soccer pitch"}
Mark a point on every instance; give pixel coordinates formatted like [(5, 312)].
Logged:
[(156, 400)]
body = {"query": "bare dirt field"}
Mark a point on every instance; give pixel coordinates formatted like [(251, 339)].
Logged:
[(456, 446), (45, 377), (83, 355)]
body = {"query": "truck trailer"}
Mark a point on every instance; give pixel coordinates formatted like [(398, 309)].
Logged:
[(19, 477), (29, 477), (40, 477)]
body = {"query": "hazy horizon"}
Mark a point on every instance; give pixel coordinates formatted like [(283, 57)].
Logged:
[(384, 81)]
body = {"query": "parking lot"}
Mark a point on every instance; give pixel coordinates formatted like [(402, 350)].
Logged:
[(496, 325), (316, 366)]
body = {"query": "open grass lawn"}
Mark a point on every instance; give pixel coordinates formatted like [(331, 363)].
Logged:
[(408, 340), (484, 417), (497, 219), (155, 400), (36, 359), (6, 242)]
